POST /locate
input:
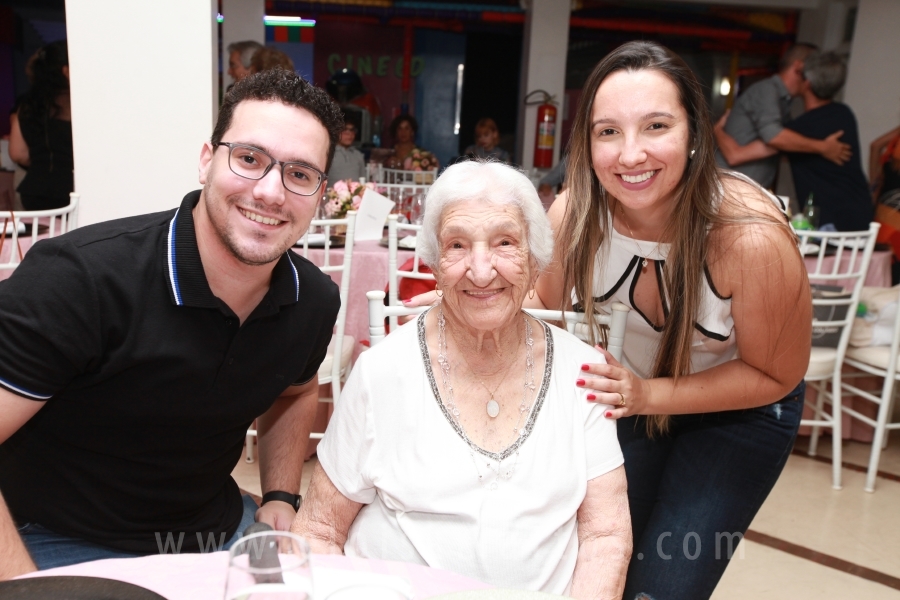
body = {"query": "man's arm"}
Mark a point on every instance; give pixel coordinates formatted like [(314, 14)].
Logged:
[(736, 154), (283, 432), (18, 148), (831, 147), (14, 558)]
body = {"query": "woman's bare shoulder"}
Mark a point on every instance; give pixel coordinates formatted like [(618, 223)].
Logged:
[(742, 199), (751, 226)]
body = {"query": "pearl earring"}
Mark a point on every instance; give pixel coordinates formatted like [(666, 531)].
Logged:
[(693, 151)]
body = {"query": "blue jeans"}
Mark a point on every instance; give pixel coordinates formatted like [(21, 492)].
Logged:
[(693, 492), (50, 550)]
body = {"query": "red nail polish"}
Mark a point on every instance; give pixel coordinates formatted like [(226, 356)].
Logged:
[(585, 367), (579, 382), (608, 415), (591, 397)]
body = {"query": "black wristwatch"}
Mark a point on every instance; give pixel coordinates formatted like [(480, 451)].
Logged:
[(292, 499)]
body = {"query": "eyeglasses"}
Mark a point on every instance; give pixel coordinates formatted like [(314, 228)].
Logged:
[(252, 163)]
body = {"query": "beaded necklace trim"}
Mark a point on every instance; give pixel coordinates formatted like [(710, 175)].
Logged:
[(536, 408)]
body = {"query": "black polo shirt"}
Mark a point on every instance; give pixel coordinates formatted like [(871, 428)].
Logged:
[(151, 381)]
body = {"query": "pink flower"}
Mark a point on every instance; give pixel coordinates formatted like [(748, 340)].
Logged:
[(340, 187), (356, 202), (370, 185), (425, 163), (408, 163)]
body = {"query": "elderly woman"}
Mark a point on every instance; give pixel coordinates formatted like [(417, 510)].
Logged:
[(459, 442)]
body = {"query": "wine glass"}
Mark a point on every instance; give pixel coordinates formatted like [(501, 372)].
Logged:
[(269, 564)]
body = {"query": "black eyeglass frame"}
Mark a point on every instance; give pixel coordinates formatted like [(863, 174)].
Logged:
[(232, 145)]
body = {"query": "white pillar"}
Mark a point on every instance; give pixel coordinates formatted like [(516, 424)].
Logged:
[(873, 88), (243, 22), (143, 81), (824, 25), (545, 46)]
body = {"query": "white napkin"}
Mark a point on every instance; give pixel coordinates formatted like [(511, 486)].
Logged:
[(408, 242), (312, 238), (326, 581)]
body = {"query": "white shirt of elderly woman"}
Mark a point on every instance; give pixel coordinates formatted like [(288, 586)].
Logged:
[(459, 442)]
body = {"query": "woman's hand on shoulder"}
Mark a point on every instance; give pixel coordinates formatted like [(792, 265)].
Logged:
[(612, 385), (426, 299)]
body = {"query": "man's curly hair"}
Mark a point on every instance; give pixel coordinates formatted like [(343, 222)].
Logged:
[(280, 85)]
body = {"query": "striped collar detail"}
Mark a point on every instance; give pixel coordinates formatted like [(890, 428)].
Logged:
[(23, 392), (170, 254), (186, 279)]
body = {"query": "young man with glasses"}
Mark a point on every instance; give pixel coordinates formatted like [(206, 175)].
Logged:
[(348, 162), (135, 353), (761, 113)]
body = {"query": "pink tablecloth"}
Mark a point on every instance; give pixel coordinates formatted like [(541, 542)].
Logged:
[(878, 275), (368, 272), (202, 576)]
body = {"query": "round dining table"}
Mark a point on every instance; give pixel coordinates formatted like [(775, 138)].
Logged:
[(202, 576)]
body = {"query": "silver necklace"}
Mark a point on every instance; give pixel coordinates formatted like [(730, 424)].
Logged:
[(524, 406), (492, 406), (634, 239)]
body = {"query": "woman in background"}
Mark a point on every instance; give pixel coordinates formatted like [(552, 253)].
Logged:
[(41, 135)]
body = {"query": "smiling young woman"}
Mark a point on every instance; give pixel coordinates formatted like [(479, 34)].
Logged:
[(709, 393)]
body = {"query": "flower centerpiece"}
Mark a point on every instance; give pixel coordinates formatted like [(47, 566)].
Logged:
[(344, 196), (421, 160)]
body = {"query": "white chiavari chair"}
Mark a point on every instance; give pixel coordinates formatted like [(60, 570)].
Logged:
[(33, 224), (574, 322), (336, 366), (847, 270), (880, 361)]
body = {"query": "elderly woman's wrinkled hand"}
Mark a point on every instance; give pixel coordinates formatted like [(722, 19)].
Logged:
[(622, 390)]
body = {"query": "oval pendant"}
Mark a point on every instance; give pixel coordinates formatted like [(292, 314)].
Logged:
[(493, 409)]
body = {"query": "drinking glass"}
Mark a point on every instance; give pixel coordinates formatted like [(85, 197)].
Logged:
[(269, 565)]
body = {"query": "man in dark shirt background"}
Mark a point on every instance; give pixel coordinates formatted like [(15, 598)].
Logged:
[(840, 192)]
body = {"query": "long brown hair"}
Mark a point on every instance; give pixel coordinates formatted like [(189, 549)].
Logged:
[(695, 208)]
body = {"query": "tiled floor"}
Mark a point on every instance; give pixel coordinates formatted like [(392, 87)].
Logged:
[(812, 524)]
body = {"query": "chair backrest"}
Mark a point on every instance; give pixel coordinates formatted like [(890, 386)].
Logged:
[(837, 264), (385, 175), (333, 264), (38, 224), (574, 321), (395, 232)]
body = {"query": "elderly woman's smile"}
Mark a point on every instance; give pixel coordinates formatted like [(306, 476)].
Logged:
[(485, 269)]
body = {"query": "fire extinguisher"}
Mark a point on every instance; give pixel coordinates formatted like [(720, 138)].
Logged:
[(546, 128)]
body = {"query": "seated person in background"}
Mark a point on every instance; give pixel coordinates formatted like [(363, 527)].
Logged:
[(348, 162), (239, 56), (267, 58), (840, 192), (486, 138), (460, 442), (884, 164), (884, 173), (406, 154), (126, 393)]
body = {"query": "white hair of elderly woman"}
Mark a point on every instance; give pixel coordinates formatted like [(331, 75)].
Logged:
[(487, 181)]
